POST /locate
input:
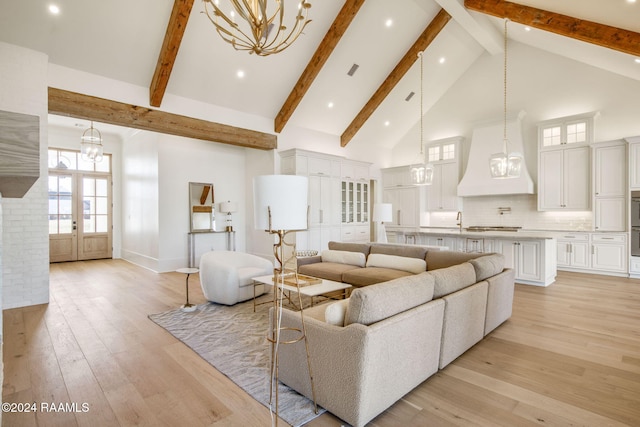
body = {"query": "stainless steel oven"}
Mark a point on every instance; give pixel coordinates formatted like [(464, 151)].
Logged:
[(635, 223)]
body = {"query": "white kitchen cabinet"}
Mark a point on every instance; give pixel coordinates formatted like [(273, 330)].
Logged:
[(634, 163), (405, 203), (444, 241), (573, 250), (609, 252), (477, 244), (610, 186), (323, 202), (354, 202), (442, 194), (534, 261), (324, 173), (564, 179), (524, 258), (609, 169), (355, 233), (395, 177), (610, 213)]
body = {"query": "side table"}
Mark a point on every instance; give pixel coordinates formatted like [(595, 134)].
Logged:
[(188, 271)]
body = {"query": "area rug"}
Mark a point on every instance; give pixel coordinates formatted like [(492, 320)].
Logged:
[(233, 340)]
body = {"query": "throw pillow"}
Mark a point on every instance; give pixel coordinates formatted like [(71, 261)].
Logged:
[(411, 265), (343, 257), (335, 313)]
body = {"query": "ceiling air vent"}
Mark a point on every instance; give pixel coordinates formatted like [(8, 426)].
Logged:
[(409, 96), (353, 69)]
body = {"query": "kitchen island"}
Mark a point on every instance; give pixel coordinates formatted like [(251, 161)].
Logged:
[(532, 254)]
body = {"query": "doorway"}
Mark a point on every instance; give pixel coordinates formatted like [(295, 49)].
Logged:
[(80, 207)]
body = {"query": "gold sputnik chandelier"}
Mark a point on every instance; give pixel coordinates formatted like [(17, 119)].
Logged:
[(257, 26)]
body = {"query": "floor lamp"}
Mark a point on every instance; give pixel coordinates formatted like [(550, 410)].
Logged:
[(382, 212), (281, 207)]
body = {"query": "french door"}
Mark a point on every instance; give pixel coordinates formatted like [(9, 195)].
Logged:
[(80, 215)]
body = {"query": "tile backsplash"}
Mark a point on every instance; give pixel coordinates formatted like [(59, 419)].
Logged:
[(512, 211)]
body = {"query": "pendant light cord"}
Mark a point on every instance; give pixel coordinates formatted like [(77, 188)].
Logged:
[(420, 55), (504, 136)]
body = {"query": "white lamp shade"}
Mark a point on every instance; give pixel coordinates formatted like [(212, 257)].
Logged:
[(227, 207), (382, 212), (286, 197)]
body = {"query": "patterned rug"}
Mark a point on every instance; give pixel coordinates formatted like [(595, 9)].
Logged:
[(233, 340)]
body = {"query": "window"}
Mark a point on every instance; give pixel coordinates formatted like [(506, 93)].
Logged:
[(433, 153), (441, 151), (567, 130), (448, 152), (72, 160)]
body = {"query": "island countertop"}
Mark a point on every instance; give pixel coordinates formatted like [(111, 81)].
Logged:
[(489, 234)]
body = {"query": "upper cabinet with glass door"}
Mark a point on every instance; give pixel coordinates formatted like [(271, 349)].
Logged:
[(442, 194), (566, 131)]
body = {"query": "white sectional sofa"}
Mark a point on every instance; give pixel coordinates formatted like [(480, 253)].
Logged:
[(370, 350)]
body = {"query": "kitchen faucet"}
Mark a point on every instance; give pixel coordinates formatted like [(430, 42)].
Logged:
[(459, 219)]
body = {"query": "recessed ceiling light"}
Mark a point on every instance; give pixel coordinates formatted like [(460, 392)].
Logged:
[(388, 22), (54, 9), (387, 123), (631, 1), (240, 74), (442, 60), (330, 105), (637, 60), (527, 28)]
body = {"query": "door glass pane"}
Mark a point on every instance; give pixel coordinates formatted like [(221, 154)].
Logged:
[(101, 187), (60, 204), (101, 205), (88, 187), (101, 223)]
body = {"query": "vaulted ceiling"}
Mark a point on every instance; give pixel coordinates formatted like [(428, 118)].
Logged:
[(172, 48)]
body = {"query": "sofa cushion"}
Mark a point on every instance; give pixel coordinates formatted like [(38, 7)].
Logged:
[(344, 257), (326, 270), (351, 247), (411, 265), (371, 275), (443, 259), (487, 266), (408, 251), (336, 312), (452, 279), (378, 302)]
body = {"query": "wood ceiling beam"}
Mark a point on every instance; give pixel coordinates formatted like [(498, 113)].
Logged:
[(170, 46), (586, 31), (87, 107), (407, 61), (319, 58)]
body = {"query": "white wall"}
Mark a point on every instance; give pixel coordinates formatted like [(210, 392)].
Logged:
[(140, 199), (24, 247), (183, 160)]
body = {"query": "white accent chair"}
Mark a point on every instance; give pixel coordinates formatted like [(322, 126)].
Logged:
[(225, 276)]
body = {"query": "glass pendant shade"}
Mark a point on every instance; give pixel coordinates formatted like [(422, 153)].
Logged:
[(421, 174), (504, 165), (91, 145)]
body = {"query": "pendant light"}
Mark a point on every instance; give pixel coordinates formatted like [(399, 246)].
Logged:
[(505, 164), (91, 145), (421, 173)]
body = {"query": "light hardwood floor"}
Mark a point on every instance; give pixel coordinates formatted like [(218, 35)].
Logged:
[(569, 356)]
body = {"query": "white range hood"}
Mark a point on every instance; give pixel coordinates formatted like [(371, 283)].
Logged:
[(487, 139)]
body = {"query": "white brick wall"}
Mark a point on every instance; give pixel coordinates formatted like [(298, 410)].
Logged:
[(24, 246)]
